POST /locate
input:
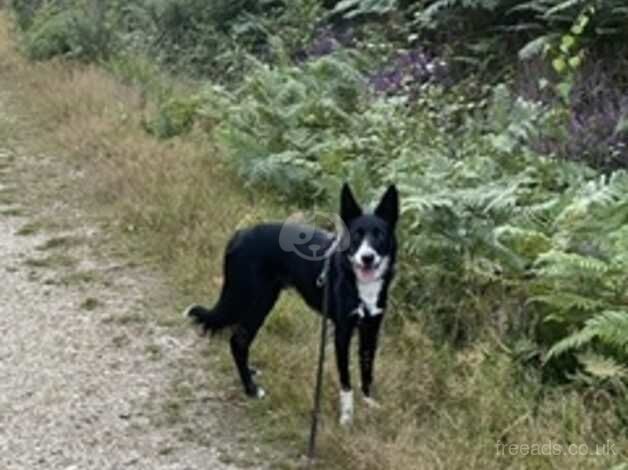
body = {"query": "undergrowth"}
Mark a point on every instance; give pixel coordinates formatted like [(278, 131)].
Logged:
[(508, 320)]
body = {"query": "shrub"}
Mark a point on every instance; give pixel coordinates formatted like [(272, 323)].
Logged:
[(590, 126), (78, 30), (213, 39), (581, 282), (175, 116), (24, 12), (407, 73), (287, 124), (516, 16)]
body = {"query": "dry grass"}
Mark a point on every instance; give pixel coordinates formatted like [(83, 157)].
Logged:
[(172, 195), (52, 261), (175, 202)]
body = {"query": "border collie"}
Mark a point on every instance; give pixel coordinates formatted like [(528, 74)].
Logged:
[(263, 260)]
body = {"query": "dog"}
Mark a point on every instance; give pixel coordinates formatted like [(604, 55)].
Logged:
[(358, 264)]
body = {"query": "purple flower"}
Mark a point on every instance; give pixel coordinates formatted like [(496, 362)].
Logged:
[(407, 72), (325, 42)]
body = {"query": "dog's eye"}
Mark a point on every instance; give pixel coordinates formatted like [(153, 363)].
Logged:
[(377, 234), (357, 237)]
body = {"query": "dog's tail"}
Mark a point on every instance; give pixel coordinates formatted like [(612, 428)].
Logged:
[(210, 320), (227, 310)]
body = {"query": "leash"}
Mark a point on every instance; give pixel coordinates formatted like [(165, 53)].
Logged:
[(321, 281)]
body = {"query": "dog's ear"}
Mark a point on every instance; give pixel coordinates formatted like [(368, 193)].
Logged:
[(349, 208), (388, 207)]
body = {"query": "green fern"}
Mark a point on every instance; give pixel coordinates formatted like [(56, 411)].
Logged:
[(287, 124), (353, 8), (602, 367), (610, 328)]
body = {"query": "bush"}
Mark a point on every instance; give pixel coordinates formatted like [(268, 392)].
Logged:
[(175, 116), (589, 126), (287, 127), (213, 39), (24, 12), (78, 30)]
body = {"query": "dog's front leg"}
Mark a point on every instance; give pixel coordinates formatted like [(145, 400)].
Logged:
[(343, 342), (369, 331)]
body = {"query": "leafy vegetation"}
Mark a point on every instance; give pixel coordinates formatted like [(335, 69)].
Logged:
[(484, 215), (79, 30), (504, 125)]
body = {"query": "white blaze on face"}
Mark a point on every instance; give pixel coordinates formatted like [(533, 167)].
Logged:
[(369, 279), (365, 273)]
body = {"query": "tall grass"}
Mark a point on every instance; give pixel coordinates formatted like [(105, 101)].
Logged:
[(176, 202)]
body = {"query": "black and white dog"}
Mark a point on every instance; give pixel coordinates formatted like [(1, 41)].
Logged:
[(261, 261)]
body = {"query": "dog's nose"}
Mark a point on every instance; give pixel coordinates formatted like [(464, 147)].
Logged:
[(367, 260)]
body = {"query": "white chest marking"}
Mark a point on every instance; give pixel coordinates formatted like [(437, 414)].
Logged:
[(369, 294)]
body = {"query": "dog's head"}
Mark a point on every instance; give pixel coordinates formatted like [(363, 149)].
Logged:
[(371, 240)]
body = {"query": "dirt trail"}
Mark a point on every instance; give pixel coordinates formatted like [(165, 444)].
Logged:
[(85, 370)]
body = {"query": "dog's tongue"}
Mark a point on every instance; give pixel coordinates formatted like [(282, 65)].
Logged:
[(366, 274)]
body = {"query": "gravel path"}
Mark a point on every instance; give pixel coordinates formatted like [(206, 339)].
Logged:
[(84, 369)]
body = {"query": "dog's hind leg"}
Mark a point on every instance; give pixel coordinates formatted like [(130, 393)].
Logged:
[(243, 337), (240, 343)]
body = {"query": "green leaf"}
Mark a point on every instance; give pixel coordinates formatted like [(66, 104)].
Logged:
[(577, 29), (575, 62), (567, 43), (602, 367), (559, 64), (622, 124), (564, 89), (543, 83), (534, 48)]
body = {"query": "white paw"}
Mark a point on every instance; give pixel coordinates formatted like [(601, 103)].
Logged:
[(345, 420), (261, 393), (346, 407), (371, 403)]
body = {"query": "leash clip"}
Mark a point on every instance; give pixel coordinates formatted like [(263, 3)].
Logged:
[(320, 280)]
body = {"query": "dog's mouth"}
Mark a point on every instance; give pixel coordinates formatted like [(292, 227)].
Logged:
[(367, 273)]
